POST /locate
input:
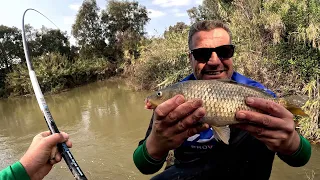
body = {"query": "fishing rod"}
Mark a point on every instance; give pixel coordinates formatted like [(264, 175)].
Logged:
[(62, 147)]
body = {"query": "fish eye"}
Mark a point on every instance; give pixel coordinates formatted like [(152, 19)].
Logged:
[(159, 93)]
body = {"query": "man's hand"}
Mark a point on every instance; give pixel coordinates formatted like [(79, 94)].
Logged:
[(276, 130), (173, 122), (43, 154)]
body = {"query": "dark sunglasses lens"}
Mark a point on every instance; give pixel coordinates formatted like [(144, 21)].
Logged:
[(202, 54), (225, 52)]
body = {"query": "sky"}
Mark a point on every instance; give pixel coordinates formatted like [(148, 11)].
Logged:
[(162, 13)]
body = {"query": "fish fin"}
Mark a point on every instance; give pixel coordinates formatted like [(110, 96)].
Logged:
[(297, 111), (222, 133), (294, 103)]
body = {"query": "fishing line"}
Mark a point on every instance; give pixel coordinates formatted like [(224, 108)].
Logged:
[(62, 147)]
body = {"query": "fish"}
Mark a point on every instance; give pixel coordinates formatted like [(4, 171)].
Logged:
[(222, 98)]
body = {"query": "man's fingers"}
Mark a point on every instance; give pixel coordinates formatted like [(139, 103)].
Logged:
[(265, 120), (55, 156), (56, 138), (58, 157), (69, 144), (190, 120), (184, 110), (54, 152), (269, 107), (65, 135), (202, 127), (260, 132), (166, 107), (45, 133), (53, 161), (195, 130), (254, 130)]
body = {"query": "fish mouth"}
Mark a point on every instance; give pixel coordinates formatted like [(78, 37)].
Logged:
[(148, 104)]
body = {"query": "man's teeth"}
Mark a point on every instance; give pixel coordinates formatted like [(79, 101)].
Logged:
[(214, 72)]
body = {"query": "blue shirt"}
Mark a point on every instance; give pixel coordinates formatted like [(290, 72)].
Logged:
[(205, 140)]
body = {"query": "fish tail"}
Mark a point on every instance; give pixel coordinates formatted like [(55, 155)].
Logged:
[(294, 104), (222, 133)]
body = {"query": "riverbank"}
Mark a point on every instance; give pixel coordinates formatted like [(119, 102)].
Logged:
[(55, 73)]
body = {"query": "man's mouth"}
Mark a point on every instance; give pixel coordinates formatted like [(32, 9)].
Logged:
[(213, 72)]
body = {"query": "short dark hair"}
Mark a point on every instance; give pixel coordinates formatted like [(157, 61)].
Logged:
[(206, 25)]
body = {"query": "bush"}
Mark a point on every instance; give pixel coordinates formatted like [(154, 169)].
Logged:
[(162, 62), (309, 126), (55, 73)]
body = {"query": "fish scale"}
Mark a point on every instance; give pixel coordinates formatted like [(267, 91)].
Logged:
[(220, 99)]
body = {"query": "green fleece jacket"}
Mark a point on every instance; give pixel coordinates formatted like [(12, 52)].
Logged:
[(147, 165), (14, 172)]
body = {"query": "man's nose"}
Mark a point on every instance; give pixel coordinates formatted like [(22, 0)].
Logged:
[(214, 59)]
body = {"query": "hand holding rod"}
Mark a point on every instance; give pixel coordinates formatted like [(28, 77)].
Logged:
[(62, 147)]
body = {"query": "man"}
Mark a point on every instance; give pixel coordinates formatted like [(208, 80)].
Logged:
[(198, 155), (37, 162)]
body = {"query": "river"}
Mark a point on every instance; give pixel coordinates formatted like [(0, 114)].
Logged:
[(105, 121)]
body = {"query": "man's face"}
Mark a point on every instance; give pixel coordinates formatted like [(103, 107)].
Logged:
[(215, 68)]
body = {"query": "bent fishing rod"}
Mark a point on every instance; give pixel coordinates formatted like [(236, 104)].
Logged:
[(62, 147)]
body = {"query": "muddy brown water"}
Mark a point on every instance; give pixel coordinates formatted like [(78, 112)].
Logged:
[(105, 121)]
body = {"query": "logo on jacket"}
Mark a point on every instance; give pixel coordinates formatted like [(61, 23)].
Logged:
[(203, 137)]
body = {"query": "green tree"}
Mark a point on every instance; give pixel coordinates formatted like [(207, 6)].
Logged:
[(211, 9), (179, 27), (52, 40), (10, 52), (74, 53), (31, 35), (124, 24), (294, 29), (88, 31), (10, 46)]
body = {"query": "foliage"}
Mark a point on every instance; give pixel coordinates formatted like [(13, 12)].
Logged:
[(162, 62), (296, 43), (179, 27), (310, 125), (88, 31), (40, 42), (51, 40), (10, 52), (113, 32), (55, 73), (124, 23), (211, 9), (10, 46)]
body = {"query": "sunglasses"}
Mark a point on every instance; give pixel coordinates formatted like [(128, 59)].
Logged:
[(204, 54)]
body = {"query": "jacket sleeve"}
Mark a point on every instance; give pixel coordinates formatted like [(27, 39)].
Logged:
[(301, 156), (14, 172), (143, 161)]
